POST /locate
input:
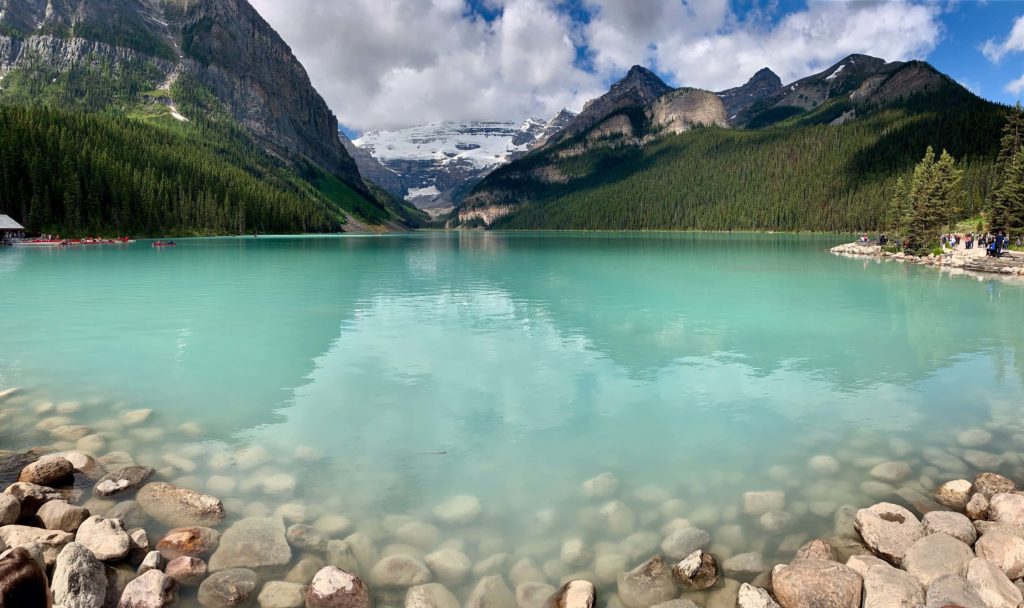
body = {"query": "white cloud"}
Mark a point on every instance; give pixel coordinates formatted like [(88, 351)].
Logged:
[(995, 51), (1017, 86), (395, 63)]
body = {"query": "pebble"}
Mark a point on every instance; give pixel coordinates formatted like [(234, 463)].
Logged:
[(892, 471), (401, 571), (954, 494), (451, 567), (491, 592), (823, 465), (458, 510), (279, 594), (232, 587), (334, 588), (135, 417), (648, 584), (575, 552), (603, 486), (175, 506), (696, 572), (253, 542), (153, 589), (759, 503), (196, 542), (186, 571), (974, 438), (106, 538)]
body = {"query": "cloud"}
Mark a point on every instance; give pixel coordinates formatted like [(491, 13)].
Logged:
[(397, 63), (995, 51), (1017, 86)]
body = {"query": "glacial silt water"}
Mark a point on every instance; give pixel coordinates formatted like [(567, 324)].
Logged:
[(387, 374)]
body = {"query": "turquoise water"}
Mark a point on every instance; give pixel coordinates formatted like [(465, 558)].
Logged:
[(514, 366)]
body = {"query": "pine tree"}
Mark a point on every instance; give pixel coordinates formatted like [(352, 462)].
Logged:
[(1005, 209), (899, 209), (935, 195)]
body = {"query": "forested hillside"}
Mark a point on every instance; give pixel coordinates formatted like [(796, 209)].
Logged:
[(128, 117), (820, 169)]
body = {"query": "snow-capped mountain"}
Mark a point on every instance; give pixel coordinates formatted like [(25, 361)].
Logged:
[(435, 165)]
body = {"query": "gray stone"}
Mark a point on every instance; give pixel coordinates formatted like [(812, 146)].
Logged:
[(954, 494), (1004, 549), (363, 548), (759, 503), (47, 471), (974, 438), (335, 588), (977, 507), (1007, 509), (523, 571), (620, 518), (889, 530), (122, 480), (106, 538), (186, 571), (639, 545), (130, 512), (59, 515), (306, 538), (304, 571), (431, 595), (886, 586), (491, 592), (451, 567), (992, 585), (754, 597), (495, 564), (32, 496), (604, 485), (648, 584), (953, 524), (681, 603), (696, 572), (418, 534), (340, 555), (815, 583), (575, 552), (10, 509), (745, 566), (401, 571), (533, 594), (574, 594), (153, 589), (935, 556), (79, 579), (253, 542), (892, 472), (816, 549), (990, 484), (50, 542), (175, 506), (228, 588), (458, 510), (278, 594), (152, 561), (952, 590), (776, 522), (681, 543)]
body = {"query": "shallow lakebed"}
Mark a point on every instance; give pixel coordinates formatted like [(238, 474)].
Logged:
[(362, 381)]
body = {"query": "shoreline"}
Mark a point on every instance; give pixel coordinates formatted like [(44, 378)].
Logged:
[(961, 260), (106, 513)]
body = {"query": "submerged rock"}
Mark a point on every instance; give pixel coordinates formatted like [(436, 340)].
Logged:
[(648, 584), (278, 594), (744, 566), (451, 567), (122, 480), (682, 543), (400, 571), (491, 592), (431, 595), (533, 594), (228, 588), (458, 510), (253, 542), (603, 486), (759, 503), (754, 597), (59, 515), (175, 506)]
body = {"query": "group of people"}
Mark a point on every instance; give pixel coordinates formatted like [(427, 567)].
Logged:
[(994, 244)]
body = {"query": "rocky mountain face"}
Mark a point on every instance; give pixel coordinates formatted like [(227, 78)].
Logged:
[(739, 100), (434, 165), (641, 110), (157, 56)]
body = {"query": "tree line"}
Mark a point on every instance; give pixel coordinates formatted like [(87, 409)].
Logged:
[(930, 202)]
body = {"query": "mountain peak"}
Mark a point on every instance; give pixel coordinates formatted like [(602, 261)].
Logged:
[(644, 81), (765, 76)]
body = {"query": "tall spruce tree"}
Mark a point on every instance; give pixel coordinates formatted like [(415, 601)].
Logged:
[(932, 201), (1006, 206)]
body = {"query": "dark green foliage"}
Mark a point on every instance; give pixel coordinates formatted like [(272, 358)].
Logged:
[(773, 116), (1006, 207), (798, 175), (930, 204), (77, 173)]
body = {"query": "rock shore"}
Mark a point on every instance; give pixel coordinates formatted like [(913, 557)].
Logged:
[(969, 260)]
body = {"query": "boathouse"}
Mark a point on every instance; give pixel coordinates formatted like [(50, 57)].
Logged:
[(9, 228)]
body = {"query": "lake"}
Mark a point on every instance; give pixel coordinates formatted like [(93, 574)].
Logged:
[(385, 375)]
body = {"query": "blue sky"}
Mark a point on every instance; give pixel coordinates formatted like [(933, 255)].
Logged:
[(393, 63)]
